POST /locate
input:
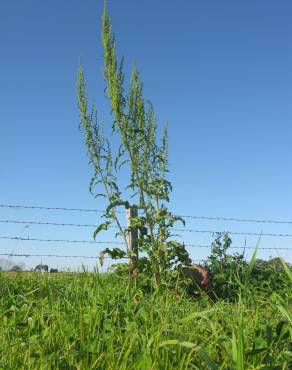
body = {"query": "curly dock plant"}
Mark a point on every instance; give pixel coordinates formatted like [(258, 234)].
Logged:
[(140, 157)]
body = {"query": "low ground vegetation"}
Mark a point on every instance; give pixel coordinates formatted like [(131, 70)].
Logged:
[(94, 321)]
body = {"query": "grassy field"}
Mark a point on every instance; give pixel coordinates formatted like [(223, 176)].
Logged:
[(92, 321)]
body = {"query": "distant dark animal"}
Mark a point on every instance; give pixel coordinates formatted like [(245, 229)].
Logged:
[(53, 270), (40, 268), (197, 274), (16, 268)]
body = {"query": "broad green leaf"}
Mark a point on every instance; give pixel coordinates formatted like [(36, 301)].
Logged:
[(101, 227)]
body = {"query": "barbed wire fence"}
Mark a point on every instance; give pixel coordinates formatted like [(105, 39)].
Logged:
[(114, 242)]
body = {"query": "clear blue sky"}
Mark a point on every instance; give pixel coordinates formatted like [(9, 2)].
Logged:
[(218, 71)]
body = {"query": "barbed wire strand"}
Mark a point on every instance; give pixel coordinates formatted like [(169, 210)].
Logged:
[(54, 208), (50, 255), (66, 256), (52, 223), (121, 243), (185, 216), (251, 220), (60, 240), (115, 227)]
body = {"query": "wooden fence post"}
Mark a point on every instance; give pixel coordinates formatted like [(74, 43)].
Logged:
[(133, 234)]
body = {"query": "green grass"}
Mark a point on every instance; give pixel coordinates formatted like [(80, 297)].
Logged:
[(92, 321)]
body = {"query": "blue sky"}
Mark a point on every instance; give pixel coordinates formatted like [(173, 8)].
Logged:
[(218, 72)]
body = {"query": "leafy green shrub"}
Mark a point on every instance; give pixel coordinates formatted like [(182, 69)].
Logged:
[(226, 271), (230, 274), (267, 276)]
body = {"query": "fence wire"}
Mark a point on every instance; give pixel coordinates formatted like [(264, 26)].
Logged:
[(68, 256), (121, 243), (214, 218), (97, 242), (213, 232)]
